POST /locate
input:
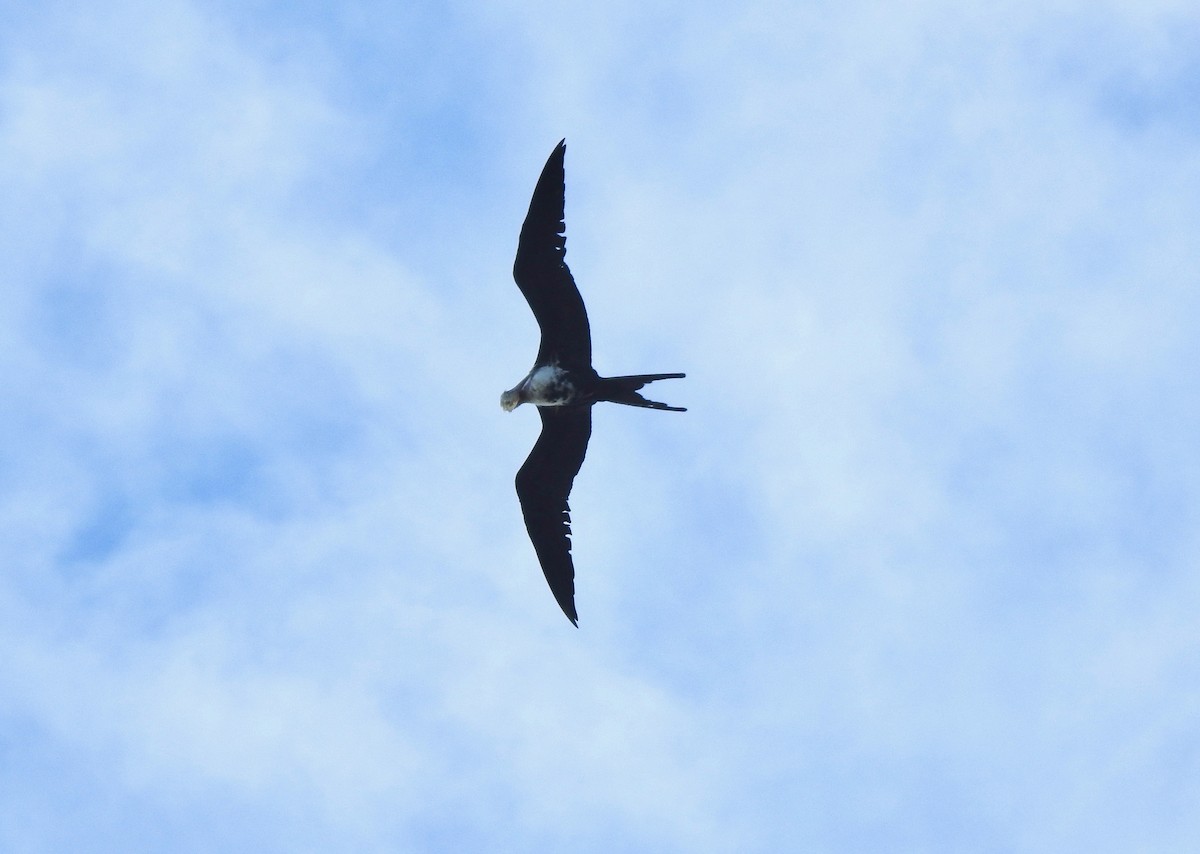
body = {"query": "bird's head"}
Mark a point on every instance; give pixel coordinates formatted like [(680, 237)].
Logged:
[(510, 399)]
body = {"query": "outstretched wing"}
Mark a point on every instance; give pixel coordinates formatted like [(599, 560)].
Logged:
[(543, 484), (542, 275)]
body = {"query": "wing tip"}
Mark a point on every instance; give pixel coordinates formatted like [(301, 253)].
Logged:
[(568, 608)]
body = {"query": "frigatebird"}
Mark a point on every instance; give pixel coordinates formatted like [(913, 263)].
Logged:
[(562, 384)]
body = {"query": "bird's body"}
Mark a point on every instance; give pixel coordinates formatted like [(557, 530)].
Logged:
[(562, 384), (545, 385)]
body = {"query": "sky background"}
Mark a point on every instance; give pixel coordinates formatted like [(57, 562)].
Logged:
[(919, 570)]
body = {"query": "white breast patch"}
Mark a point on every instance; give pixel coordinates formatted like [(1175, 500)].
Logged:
[(548, 386)]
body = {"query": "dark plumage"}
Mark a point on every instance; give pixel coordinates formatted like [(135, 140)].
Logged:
[(562, 384)]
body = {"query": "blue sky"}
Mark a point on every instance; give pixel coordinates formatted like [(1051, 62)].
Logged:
[(918, 571)]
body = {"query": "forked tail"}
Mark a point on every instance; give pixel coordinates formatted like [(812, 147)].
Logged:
[(625, 390)]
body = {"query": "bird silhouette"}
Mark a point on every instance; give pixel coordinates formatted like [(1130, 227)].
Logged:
[(562, 383)]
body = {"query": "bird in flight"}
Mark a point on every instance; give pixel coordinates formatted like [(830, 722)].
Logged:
[(562, 384)]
